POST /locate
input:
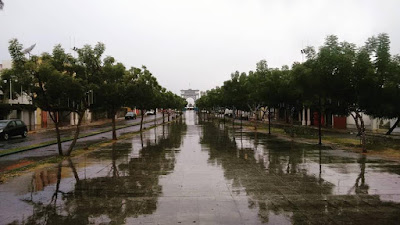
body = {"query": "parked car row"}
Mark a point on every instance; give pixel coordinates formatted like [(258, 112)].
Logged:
[(133, 116), (14, 127)]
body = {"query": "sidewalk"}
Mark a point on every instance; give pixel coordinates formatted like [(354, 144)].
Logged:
[(379, 145), (380, 133), (47, 137), (68, 127)]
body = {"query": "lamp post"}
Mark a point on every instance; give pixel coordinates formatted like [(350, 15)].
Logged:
[(5, 81)]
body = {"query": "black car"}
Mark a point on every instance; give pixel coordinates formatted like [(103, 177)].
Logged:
[(130, 115), (9, 128)]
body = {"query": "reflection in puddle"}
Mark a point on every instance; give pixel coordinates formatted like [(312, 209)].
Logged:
[(302, 182), (105, 186), (200, 172)]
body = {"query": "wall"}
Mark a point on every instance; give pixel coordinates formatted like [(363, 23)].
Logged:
[(369, 122), (397, 129)]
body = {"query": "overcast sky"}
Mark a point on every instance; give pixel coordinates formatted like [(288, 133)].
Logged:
[(197, 43)]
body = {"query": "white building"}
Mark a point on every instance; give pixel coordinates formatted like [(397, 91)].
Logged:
[(21, 106)]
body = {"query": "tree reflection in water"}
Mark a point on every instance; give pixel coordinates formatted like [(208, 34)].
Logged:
[(279, 182), (131, 189)]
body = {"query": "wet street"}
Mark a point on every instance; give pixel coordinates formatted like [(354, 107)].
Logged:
[(194, 172)]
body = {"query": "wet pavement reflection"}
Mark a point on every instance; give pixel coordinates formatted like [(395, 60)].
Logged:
[(197, 172)]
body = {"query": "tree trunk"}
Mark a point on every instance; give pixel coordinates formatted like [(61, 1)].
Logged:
[(55, 195), (57, 125), (263, 114), (241, 123), (72, 145), (233, 117), (60, 152), (319, 123), (363, 138), (269, 120), (163, 118), (141, 139), (393, 127), (163, 131), (141, 119), (71, 164), (291, 122), (155, 117), (114, 133), (168, 115), (286, 117), (355, 117)]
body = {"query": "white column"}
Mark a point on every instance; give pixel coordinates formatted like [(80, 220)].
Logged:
[(89, 116), (72, 118), (308, 117), (303, 120)]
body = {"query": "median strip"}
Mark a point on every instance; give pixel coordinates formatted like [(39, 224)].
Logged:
[(65, 139)]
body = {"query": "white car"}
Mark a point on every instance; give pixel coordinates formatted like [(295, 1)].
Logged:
[(150, 112)]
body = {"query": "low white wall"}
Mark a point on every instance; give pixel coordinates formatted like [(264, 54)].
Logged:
[(369, 122), (397, 129)]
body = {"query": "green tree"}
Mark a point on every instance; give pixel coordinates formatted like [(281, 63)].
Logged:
[(88, 71), (49, 79), (325, 78), (382, 94), (142, 90), (55, 91), (110, 92)]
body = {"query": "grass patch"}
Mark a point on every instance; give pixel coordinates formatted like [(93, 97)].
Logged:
[(303, 132), (382, 143), (344, 141)]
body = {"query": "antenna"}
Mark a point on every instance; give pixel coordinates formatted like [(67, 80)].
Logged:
[(28, 50)]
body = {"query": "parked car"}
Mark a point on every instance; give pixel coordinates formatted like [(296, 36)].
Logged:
[(228, 112), (150, 112), (130, 115), (15, 127)]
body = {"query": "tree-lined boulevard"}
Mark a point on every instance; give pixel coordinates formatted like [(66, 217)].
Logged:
[(113, 143), (60, 84)]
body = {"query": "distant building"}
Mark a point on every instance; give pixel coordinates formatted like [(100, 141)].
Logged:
[(18, 107), (191, 96)]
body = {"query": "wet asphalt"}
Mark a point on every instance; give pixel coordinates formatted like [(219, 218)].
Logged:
[(193, 172)]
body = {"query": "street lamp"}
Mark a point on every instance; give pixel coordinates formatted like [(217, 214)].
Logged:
[(5, 81), (303, 52), (90, 99)]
